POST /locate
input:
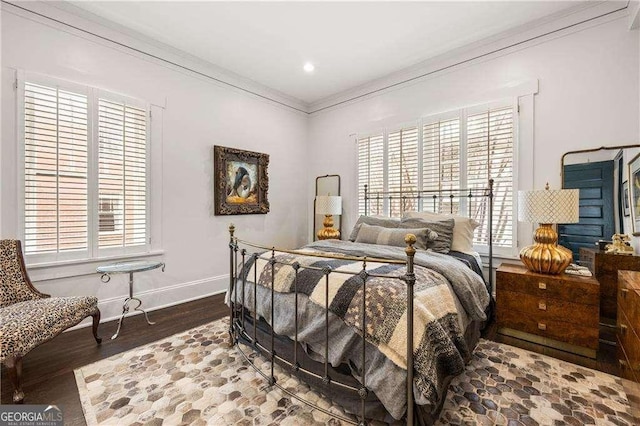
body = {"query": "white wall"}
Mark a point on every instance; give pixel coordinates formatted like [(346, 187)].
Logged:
[(588, 97), (198, 114)]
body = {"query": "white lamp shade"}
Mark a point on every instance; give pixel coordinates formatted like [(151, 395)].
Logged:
[(549, 206), (329, 204)]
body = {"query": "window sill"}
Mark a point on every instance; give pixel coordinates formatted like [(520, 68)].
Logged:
[(498, 259), (45, 271)]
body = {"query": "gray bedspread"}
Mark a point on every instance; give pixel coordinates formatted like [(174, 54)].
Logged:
[(443, 352), (467, 285)]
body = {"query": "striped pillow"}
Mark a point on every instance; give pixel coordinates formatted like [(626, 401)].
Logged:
[(444, 229), (371, 234), (384, 222)]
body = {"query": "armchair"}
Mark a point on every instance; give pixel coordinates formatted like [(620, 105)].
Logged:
[(29, 318)]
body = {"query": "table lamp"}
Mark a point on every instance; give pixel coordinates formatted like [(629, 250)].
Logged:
[(328, 205), (547, 207)]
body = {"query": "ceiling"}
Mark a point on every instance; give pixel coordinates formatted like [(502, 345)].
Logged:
[(350, 43)]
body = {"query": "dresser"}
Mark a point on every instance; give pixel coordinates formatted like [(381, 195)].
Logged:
[(605, 268), (629, 324), (560, 311)]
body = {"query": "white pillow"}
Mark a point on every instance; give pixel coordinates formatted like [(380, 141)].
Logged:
[(462, 230)]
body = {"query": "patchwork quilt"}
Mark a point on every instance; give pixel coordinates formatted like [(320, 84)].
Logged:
[(338, 285)]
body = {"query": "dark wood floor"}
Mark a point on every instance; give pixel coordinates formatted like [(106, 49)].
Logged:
[(48, 369)]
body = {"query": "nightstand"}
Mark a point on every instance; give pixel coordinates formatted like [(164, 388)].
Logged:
[(559, 311), (605, 267), (629, 324)]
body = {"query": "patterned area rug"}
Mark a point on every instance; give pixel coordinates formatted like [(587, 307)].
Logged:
[(193, 378)]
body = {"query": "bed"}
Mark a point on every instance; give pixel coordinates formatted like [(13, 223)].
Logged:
[(379, 328)]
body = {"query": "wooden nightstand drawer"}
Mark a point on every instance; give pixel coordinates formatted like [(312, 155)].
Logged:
[(630, 341), (605, 267), (551, 309), (560, 311), (629, 298), (575, 289), (629, 324), (625, 365), (540, 325)]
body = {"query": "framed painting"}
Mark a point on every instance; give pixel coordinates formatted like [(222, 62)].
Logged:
[(626, 208), (241, 181), (634, 192)]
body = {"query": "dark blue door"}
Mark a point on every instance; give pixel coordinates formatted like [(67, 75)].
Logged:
[(595, 181)]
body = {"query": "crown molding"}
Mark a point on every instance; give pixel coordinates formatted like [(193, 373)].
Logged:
[(634, 14), (72, 19), (550, 27)]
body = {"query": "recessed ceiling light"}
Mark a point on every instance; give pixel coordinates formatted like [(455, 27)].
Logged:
[(308, 67)]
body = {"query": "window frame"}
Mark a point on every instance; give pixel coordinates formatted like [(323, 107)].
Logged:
[(93, 252), (461, 114)]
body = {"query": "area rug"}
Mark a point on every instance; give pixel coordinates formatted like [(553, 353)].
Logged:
[(193, 378)]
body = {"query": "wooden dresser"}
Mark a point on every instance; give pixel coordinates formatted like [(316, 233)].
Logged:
[(605, 268), (629, 324), (560, 311)]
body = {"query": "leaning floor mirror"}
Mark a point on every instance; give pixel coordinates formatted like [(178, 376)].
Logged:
[(326, 185)]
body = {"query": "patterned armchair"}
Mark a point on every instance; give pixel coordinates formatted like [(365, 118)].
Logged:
[(28, 317)]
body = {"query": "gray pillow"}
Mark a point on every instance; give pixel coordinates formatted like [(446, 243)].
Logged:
[(371, 234), (444, 229), (385, 222)]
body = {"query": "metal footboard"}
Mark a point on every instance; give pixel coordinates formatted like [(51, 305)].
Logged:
[(238, 256)]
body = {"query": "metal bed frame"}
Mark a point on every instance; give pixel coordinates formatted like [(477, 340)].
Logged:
[(238, 276)]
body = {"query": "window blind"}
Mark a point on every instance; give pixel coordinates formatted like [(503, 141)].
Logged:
[(55, 170), (122, 179), (371, 172), (490, 155), (441, 162), (482, 139), (402, 169)]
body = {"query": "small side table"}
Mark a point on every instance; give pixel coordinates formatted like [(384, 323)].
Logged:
[(128, 268), (560, 311)]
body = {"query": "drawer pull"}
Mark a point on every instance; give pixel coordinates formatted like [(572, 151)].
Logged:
[(542, 286), (623, 329), (542, 326), (542, 305), (623, 292), (623, 363)]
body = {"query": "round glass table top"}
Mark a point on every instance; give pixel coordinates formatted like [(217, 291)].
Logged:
[(127, 267)]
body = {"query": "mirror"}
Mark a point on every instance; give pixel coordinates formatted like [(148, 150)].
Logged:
[(602, 175), (326, 185)]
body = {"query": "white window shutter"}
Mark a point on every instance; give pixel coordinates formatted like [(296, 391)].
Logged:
[(371, 172), (402, 169), (490, 155), (441, 163), (122, 176), (55, 170)]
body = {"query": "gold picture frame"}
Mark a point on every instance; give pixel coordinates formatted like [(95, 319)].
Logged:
[(241, 181)]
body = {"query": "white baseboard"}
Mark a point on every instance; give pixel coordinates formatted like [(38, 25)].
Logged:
[(160, 298)]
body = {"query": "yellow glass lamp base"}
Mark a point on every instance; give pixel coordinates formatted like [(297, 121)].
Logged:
[(328, 232), (546, 256)]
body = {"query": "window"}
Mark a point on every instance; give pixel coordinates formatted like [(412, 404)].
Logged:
[(371, 171), (85, 173), (123, 172), (461, 149)]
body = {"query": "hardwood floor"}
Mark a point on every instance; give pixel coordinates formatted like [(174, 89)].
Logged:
[(48, 369)]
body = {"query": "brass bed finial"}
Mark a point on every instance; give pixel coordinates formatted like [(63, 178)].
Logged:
[(410, 239)]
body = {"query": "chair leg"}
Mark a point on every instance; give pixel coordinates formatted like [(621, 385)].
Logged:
[(14, 368), (96, 323)]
